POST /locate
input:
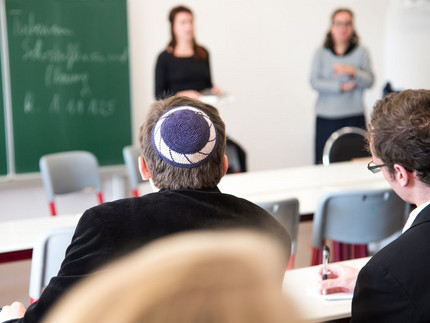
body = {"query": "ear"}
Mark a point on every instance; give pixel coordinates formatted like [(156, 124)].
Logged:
[(224, 165), (143, 170), (402, 175)]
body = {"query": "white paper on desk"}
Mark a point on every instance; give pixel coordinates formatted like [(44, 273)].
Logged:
[(216, 100), (209, 99), (337, 296), (313, 291)]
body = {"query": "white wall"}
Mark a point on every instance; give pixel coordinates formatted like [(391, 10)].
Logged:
[(261, 52), (407, 49)]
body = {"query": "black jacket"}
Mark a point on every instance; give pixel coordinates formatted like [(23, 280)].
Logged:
[(111, 230), (394, 286)]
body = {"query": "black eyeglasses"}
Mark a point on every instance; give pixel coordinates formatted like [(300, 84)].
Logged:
[(375, 168), (342, 24)]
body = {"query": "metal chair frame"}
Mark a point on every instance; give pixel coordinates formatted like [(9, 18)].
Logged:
[(335, 137)]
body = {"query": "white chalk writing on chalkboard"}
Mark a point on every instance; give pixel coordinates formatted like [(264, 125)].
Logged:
[(61, 66), (34, 50), (29, 103), (93, 107), (54, 75), (30, 27), (71, 106)]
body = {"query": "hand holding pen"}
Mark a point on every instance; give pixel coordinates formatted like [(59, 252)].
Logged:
[(339, 278), (326, 258)]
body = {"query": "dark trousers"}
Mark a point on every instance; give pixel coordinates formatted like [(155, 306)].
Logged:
[(325, 127)]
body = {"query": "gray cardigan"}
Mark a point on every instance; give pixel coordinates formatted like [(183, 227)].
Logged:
[(332, 103)]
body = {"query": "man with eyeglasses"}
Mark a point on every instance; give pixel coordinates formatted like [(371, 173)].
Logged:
[(394, 286)]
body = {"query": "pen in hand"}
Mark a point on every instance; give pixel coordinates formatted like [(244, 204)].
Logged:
[(326, 256)]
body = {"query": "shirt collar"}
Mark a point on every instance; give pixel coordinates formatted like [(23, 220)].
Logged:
[(348, 50), (413, 215)]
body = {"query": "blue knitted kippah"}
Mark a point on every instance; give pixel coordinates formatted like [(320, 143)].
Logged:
[(184, 137)]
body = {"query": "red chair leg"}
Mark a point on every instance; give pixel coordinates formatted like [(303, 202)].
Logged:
[(135, 192), (291, 262), (100, 197), (52, 208)]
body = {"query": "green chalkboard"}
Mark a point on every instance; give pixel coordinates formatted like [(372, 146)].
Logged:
[(69, 72), (3, 156)]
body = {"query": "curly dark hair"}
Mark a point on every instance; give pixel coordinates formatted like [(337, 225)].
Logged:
[(399, 131)]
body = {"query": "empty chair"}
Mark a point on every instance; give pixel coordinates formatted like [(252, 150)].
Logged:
[(69, 172), (236, 157), (287, 213), (345, 144), (131, 155), (48, 253), (356, 217)]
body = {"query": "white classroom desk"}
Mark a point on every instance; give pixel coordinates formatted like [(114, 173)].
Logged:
[(17, 237), (299, 286), (307, 183)]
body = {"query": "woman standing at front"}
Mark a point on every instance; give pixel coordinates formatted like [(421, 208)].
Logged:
[(183, 68), (340, 72)]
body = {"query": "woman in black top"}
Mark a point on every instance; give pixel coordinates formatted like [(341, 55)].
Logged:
[(183, 68)]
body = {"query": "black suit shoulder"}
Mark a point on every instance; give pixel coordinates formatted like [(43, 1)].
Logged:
[(394, 286)]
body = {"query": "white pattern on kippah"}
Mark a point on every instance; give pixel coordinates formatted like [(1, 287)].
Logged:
[(190, 160)]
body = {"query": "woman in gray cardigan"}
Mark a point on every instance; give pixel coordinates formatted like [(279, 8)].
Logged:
[(340, 72)]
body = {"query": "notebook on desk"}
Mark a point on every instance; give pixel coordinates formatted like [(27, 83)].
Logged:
[(313, 291)]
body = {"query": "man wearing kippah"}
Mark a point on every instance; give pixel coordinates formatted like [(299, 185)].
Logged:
[(183, 155)]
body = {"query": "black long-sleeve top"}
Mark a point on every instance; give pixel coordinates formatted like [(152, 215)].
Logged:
[(174, 74)]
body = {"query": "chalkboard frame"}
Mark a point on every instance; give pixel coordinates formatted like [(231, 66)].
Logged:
[(3, 152)]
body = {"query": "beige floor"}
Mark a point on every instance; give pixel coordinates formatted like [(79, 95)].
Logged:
[(14, 277), (14, 280)]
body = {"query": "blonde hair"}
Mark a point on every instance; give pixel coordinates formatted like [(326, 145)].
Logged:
[(217, 277)]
